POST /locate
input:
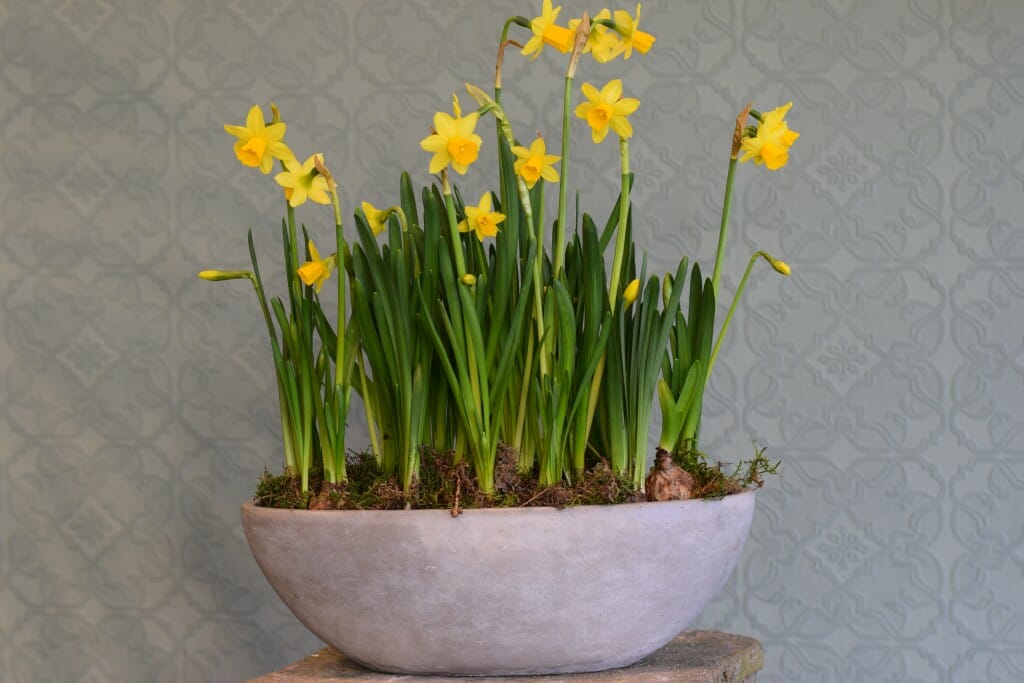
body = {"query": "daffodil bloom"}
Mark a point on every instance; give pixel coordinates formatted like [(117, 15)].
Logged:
[(454, 141), (303, 181), (630, 294), (774, 138), (603, 44), (375, 217), (259, 144), (548, 17), (559, 37), (481, 220), (632, 36), (535, 163), (606, 109), (316, 271)]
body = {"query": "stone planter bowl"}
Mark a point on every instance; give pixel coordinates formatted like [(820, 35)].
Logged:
[(500, 591)]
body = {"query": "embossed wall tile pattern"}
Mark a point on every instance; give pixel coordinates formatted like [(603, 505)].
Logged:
[(886, 372)]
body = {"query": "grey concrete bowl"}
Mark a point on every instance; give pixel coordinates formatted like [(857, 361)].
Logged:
[(500, 591)]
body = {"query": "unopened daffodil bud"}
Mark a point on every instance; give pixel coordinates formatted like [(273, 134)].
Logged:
[(469, 279), (275, 114), (666, 288), (630, 294), (781, 267), (219, 275)]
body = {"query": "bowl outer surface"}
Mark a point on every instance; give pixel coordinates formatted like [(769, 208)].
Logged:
[(500, 591)]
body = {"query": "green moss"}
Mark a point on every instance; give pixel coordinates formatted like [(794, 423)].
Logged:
[(711, 481)]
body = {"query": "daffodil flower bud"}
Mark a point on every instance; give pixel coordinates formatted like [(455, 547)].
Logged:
[(630, 294), (781, 267), (469, 279), (666, 288), (219, 275)]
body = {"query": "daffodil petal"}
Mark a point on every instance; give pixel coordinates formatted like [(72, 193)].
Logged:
[(254, 120), (622, 127), (590, 92), (433, 143), (275, 131), (444, 124), (464, 125), (438, 162), (266, 163), (279, 150), (237, 131), (612, 91)]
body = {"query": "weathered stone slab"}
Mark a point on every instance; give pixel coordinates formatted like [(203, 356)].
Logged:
[(694, 657)]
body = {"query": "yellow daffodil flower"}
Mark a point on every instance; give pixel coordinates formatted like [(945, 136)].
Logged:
[(259, 144), (303, 181), (375, 217), (606, 109), (481, 220), (316, 271), (548, 17), (535, 163), (774, 138), (454, 141), (559, 37), (630, 294), (603, 44), (632, 36)]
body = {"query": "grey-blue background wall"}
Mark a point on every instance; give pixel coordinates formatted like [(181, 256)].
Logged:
[(138, 403)]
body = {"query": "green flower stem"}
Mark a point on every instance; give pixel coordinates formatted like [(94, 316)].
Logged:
[(732, 307), (501, 52), (535, 234), (371, 420), (620, 235), (524, 391), (616, 281), (403, 222), (453, 225), (724, 229), (563, 186), (282, 398), (293, 258), (340, 367)]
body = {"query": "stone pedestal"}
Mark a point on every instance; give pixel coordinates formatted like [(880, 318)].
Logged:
[(694, 657)]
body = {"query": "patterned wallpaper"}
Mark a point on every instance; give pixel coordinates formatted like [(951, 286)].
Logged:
[(138, 402)]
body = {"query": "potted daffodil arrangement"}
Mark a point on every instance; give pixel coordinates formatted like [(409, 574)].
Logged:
[(506, 356)]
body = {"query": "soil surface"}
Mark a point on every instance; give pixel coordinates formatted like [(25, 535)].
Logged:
[(445, 484)]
